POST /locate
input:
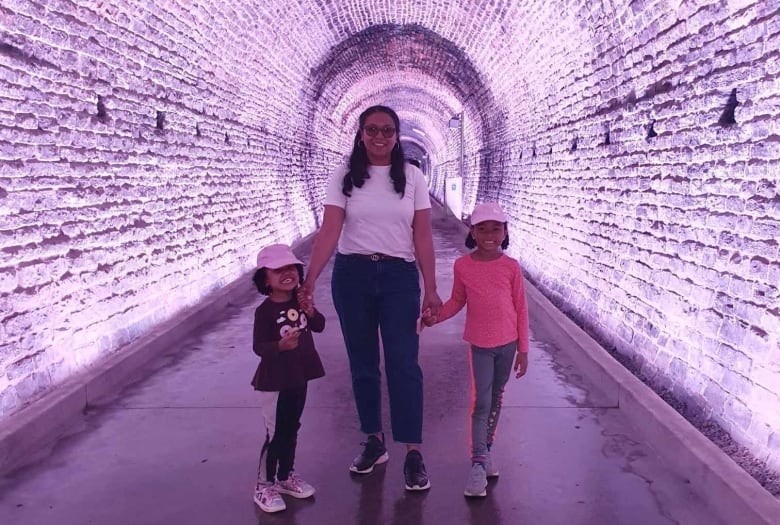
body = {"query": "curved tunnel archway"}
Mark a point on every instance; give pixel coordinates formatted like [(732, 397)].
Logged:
[(425, 77)]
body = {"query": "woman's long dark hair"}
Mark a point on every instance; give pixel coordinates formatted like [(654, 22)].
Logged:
[(358, 159)]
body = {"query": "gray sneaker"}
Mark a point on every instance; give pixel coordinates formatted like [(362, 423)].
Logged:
[(490, 469), (476, 485)]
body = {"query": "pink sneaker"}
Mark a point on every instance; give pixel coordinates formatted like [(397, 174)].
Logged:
[(295, 487), (268, 499)]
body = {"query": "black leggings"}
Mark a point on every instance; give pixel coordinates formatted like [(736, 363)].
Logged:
[(277, 456)]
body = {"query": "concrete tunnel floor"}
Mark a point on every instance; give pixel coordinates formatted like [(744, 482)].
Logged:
[(181, 446)]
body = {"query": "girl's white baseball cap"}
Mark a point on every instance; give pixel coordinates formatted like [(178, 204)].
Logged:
[(276, 256), (487, 211)]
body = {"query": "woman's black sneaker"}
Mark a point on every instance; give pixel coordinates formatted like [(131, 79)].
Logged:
[(374, 453), (414, 472)]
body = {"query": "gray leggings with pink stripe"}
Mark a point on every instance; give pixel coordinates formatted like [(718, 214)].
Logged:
[(490, 369)]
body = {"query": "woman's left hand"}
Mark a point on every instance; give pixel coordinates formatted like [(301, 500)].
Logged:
[(432, 303)]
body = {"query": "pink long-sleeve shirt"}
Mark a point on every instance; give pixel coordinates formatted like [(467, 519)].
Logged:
[(494, 295)]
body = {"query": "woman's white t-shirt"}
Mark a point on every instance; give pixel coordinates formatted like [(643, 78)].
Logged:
[(376, 218)]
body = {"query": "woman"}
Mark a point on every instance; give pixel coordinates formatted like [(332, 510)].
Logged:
[(378, 211)]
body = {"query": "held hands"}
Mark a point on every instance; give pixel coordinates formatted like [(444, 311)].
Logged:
[(428, 319), (430, 310), (432, 303), (424, 320), (308, 308), (521, 364), (306, 298), (289, 341)]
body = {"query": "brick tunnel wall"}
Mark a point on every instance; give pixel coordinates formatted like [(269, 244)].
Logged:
[(137, 174), (651, 216)]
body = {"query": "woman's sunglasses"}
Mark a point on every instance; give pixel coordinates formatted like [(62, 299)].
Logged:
[(372, 131)]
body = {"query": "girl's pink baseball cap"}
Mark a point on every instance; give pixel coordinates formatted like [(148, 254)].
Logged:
[(487, 211), (276, 256)]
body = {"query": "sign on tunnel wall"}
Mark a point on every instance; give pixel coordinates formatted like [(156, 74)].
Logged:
[(453, 196)]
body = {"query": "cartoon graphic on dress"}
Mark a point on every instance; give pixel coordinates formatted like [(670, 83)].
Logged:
[(291, 320)]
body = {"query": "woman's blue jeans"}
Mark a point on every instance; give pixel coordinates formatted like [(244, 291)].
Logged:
[(373, 298)]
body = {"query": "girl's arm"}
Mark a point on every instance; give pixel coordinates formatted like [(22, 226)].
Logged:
[(324, 245), (262, 343), (521, 307), (457, 298), (426, 258), (316, 321)]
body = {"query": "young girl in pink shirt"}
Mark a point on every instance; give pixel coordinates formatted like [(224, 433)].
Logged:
[(490, 284)]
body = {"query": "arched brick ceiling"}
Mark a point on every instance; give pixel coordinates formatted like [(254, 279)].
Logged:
[(421, 105), (273, 58), (277, 66), (488, 55), (408, 67)]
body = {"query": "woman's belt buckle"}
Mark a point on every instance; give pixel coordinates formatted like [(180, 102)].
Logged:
[(375, 257)]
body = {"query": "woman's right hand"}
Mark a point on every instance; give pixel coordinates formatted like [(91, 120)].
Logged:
[(306, 296)]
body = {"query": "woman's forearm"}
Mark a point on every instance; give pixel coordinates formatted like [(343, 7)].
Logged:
[(423, 248), (325, 241), (324, 245), (427, 261)]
